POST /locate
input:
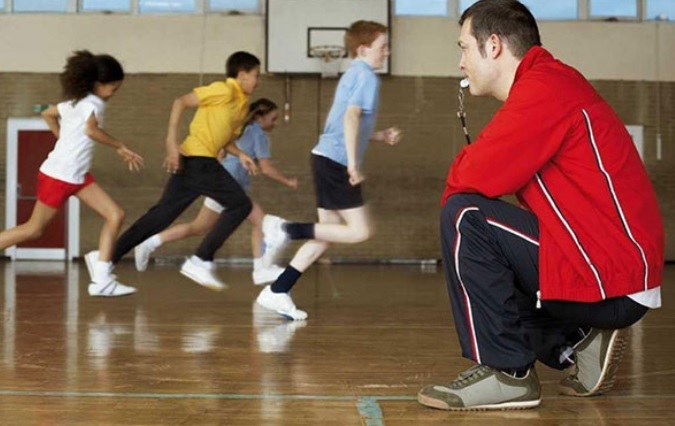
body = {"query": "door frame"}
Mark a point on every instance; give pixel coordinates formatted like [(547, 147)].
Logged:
[(72, 249)]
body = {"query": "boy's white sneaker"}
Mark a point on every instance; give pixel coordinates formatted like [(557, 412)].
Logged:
[(202, 274), (112, 288), (265, 275), (280, 303), (275, 238)]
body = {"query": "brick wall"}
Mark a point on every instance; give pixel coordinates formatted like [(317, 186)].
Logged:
[(403, 184)]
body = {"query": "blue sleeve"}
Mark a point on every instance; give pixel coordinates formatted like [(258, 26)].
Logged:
[(261, 146), (364, 92)]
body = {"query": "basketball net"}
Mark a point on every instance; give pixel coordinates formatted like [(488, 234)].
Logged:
[(330, 59)]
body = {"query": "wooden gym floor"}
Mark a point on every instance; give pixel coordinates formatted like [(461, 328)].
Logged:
[(178, 354)]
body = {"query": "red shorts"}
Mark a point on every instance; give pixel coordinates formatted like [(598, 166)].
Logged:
[(55, 193)]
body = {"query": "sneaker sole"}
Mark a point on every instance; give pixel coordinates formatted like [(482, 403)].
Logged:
[(112, 295), (507, 406), (206, 285), (617, 346)]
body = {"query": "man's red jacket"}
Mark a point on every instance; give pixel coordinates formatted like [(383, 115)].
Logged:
[(567, 156)]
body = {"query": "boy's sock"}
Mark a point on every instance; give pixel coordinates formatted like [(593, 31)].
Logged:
[(286, 280), (300, 231)]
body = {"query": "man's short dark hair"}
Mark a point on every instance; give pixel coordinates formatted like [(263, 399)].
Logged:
[(240, 61), (508, 19)]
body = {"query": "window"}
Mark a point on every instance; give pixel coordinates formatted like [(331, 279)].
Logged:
[(464, 5), (105, 5), (422, 7), (614, 8), (166, 6), (541, 9), (552, 10), (238, 5), (660, 9), (40, 5)]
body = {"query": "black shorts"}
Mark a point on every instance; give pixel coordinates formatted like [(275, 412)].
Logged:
[(332, 187)]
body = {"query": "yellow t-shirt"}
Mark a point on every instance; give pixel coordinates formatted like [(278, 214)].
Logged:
[(219, 118)]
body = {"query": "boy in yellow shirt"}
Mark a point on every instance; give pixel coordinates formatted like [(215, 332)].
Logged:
[(221, 114)]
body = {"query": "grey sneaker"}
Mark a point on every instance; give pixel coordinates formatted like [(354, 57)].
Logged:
[(597, 360), (484, 388)]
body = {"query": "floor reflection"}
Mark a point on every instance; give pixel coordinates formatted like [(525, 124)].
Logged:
[(199, 357), (43, 311), (273, 333)]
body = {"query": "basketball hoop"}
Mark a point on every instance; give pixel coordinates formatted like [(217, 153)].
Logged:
[(330, 58)]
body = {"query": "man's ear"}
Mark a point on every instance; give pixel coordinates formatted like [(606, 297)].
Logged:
[(494, 46)]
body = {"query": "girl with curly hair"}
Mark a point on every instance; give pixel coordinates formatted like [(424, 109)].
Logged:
[(88, 82)]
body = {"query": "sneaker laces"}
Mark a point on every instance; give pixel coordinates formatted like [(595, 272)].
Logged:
[(465, 377)]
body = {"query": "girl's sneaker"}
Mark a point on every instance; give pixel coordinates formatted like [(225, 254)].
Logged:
[(112, 288)]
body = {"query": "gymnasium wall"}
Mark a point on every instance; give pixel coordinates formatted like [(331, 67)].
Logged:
[(164, 58)]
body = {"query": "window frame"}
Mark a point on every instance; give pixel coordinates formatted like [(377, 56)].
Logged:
[(600, 18)]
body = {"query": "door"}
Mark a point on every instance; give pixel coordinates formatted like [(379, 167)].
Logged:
[(28, 143)]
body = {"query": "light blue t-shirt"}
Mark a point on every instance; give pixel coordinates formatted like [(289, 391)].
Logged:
[(253, 142), (359, 87)]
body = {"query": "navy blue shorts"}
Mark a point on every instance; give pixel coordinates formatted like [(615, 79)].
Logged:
[(332, 187)]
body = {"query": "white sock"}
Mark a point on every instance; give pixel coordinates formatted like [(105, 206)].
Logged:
[(102, 272), (257, 263), (153, 242)]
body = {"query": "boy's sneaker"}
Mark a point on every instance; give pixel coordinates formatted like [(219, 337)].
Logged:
[(202, 274), (265, 275), (484, 388), (597, 360), (90, 259), (275, 238), (142, 255), (112, 288), (280, 303)]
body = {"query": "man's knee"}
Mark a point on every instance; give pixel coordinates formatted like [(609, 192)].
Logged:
[(454, 206)]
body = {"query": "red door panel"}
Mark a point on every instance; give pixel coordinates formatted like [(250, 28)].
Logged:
[(34, 145)]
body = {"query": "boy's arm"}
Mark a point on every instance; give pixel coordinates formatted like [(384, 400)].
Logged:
[(269, 170), (172, 160), (133, 160), (51, 116), (351, 131)]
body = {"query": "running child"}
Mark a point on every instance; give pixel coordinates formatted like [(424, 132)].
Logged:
[(263, 115), (336, 164), (221, 113), (88, 82)]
